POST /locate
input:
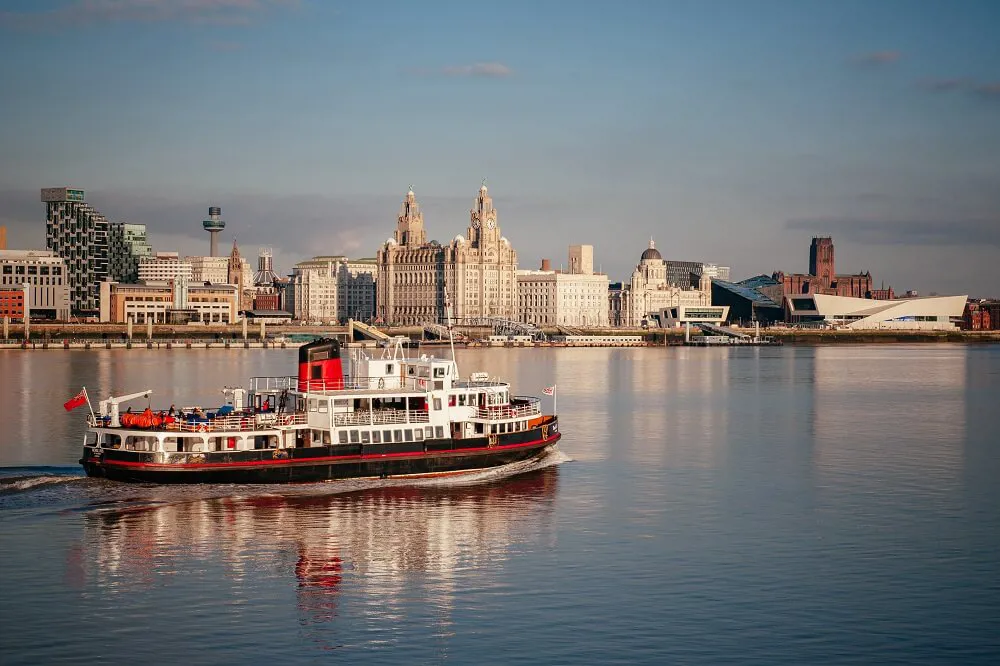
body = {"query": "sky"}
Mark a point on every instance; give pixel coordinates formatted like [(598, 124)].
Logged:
[(728, 131)]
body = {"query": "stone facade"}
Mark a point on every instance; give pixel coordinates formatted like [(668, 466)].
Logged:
[(477, 272), (333, 288), (578, 297), (154, 302), (650, 291), (165, 266)]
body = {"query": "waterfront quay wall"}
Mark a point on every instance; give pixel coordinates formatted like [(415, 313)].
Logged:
[(114, 336)]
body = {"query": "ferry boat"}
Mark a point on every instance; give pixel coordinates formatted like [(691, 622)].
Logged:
[(391, 416)]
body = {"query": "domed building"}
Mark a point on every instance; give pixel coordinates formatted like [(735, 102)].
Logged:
[(477, 272), (649, 291)]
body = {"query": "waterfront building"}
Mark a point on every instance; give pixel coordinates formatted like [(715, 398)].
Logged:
[(477, 272), (15, 302), (932, 313), (981, 315), (823, 278), (333, 288), (165, 266), (78, 233), (44, 276), (169, 303), (267, 295), (127, 247), (687, 274), (756, 299), (650, 291), (578, 297)]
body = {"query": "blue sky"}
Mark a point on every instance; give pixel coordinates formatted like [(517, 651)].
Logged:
[(728, 131)]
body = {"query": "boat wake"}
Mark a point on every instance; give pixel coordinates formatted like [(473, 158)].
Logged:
[(21, 480)]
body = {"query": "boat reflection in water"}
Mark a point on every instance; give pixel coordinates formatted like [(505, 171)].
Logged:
[(364, 555)]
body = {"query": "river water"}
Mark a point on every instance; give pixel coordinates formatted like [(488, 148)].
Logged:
[(795, 505)]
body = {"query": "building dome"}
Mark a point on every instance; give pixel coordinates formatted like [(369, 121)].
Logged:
[(459, 239), (651, 253)]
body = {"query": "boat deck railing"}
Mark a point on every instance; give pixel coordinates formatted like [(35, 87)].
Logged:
[(237, 422), (521, 407), (382, 416)]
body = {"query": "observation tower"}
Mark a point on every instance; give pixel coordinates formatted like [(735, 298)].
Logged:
[(213, 225)]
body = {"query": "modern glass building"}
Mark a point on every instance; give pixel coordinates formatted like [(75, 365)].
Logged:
[(127, 247)]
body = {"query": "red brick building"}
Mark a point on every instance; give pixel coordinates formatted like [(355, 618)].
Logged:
[(13, 301), (823, 279), (981, 315)]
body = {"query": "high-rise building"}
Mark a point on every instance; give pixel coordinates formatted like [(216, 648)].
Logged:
[(578, 297), (477, 273), (127, 247), (79, 234)]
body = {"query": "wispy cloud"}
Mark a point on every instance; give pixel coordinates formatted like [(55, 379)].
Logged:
[(487, 70), (876, 231), (944, 85), (985, 91), (877, 58), (988, 90), (92, 12)]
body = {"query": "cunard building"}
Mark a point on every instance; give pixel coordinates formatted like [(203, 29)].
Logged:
[(476, 272)]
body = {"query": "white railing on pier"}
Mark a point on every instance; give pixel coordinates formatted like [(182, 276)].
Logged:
[(382, 416)]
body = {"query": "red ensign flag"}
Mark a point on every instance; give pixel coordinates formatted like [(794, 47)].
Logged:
[(549, 390), (77, 400)]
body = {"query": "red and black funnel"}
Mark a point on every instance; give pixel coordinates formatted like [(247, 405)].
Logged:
[(319, 366)]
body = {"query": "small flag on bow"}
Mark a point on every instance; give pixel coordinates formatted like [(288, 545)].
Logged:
[(77, 400), (549, 390)]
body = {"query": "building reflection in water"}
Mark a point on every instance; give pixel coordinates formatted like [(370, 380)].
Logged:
[(378, 543), (895, 410)]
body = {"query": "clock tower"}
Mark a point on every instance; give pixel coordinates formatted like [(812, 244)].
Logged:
[(483, 229)]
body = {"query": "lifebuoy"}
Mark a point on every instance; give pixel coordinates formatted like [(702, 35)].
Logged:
[(201, 427)]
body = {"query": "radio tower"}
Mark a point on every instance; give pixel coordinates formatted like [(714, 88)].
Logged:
[(213, 225)]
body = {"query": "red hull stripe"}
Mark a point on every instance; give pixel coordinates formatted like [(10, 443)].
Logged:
[(310, 461)]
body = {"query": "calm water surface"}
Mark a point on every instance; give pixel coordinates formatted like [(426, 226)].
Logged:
[(763, 506)]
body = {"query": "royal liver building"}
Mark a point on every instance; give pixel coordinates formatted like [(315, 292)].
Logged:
[(476, 272)]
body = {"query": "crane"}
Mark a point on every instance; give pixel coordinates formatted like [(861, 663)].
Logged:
[(109, 407)]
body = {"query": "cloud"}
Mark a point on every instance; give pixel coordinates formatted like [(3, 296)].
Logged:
[(224, 46), (988, 90), (77, 13), (874, 231), (484, 69), (489, 70), (877, 58), (944, 85)]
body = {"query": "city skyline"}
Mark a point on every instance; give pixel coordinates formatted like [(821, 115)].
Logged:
[(731, 134)]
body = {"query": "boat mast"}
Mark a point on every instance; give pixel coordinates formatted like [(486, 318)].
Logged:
[(451, 337)]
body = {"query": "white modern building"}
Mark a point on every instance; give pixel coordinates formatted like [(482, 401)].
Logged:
[(554, 298), (932, 313), (44, 273), (679, 315), (165, 266)]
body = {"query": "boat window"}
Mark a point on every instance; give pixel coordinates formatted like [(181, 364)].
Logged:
[(169, 443), (452, 400), (340, 404), (437, 404), (326, 437), (410, 370), (376, 437), (312, 404), (409, 434), (387, 436), (389, 368), (324, 406), (140, 443), (112, 441), (343, 437), (90, 439), (428, 432), (354, 437), (418, 434), (439, 431), (397, 435), (365, 437), (438, 372), (479, 428)]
